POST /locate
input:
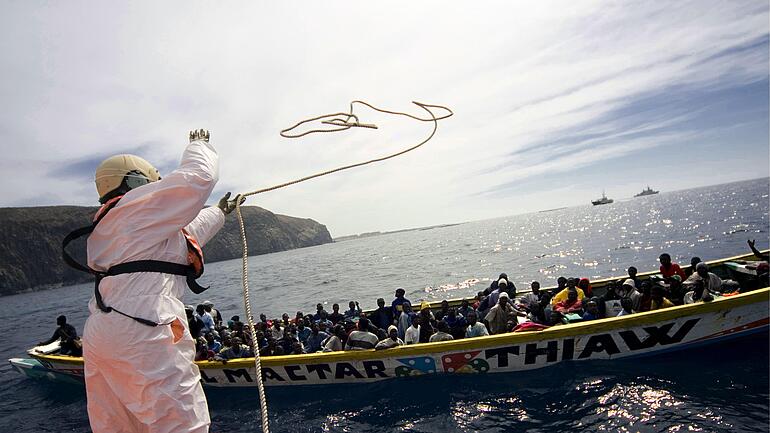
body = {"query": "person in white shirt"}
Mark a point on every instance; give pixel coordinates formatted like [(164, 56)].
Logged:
[(361, 339), (475, 328), (412, 335), (391, 341), (531, 298), (334, 342), (208, 321)]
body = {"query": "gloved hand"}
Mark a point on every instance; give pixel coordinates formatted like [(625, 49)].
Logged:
[(199, 134), (228, 205)]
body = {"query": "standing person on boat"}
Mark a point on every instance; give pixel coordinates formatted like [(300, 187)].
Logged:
[(412, 335), (404, 320), (138, 351), (215, 314), (70, 343), (208, 321), (398, 302), (382, 317), (669, 269)]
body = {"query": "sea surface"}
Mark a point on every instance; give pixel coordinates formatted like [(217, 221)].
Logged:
[(719, 389)]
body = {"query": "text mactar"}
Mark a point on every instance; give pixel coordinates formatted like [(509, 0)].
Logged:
[(541, 353)]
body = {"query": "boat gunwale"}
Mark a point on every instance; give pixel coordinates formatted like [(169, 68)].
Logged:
[(480, 343)]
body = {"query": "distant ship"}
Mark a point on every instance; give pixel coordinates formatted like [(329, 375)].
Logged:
[(603, 200), (648, 191)]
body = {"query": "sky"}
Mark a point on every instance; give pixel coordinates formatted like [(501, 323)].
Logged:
[(553, 101)]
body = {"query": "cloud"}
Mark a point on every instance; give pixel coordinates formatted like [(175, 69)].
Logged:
[(545, 94)]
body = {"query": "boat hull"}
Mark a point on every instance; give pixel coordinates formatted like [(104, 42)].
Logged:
[(675, 328)]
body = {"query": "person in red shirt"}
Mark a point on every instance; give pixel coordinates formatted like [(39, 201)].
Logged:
[(669, 269)]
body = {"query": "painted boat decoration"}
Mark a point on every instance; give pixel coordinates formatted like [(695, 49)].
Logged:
[(646, 333)]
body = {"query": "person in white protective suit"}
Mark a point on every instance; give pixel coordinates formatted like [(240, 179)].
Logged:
[(138, 353)]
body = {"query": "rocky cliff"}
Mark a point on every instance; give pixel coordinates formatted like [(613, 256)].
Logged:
[(30, 242)]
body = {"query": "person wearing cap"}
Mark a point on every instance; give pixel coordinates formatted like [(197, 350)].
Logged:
[(391, 341), (361, 338), (562, 295), (628, 290), (502, 286), (498, 316), (209, 307)]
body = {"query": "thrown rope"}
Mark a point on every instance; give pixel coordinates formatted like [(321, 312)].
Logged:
[(342, 121)]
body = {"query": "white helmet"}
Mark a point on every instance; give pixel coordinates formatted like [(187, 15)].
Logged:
[(122, 173)]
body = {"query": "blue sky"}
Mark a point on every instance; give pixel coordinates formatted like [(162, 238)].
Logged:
[(553, 101)]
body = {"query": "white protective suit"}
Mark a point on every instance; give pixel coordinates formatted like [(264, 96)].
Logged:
[(141, 378)]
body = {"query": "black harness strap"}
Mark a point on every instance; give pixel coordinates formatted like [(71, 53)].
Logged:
[(126, 268)]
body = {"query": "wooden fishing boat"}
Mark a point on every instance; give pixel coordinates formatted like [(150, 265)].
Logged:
[(665, 330)]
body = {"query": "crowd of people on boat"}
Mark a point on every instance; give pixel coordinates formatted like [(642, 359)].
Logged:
[(496, 310)]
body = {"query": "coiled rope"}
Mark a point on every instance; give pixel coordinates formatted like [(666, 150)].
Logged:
[(342, 122)]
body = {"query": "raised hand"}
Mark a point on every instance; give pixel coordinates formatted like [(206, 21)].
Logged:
[(199, 134)]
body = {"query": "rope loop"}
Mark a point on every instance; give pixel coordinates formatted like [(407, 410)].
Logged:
[(341, 122)]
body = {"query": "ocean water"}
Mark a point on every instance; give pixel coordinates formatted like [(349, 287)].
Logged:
[(715, 389)]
